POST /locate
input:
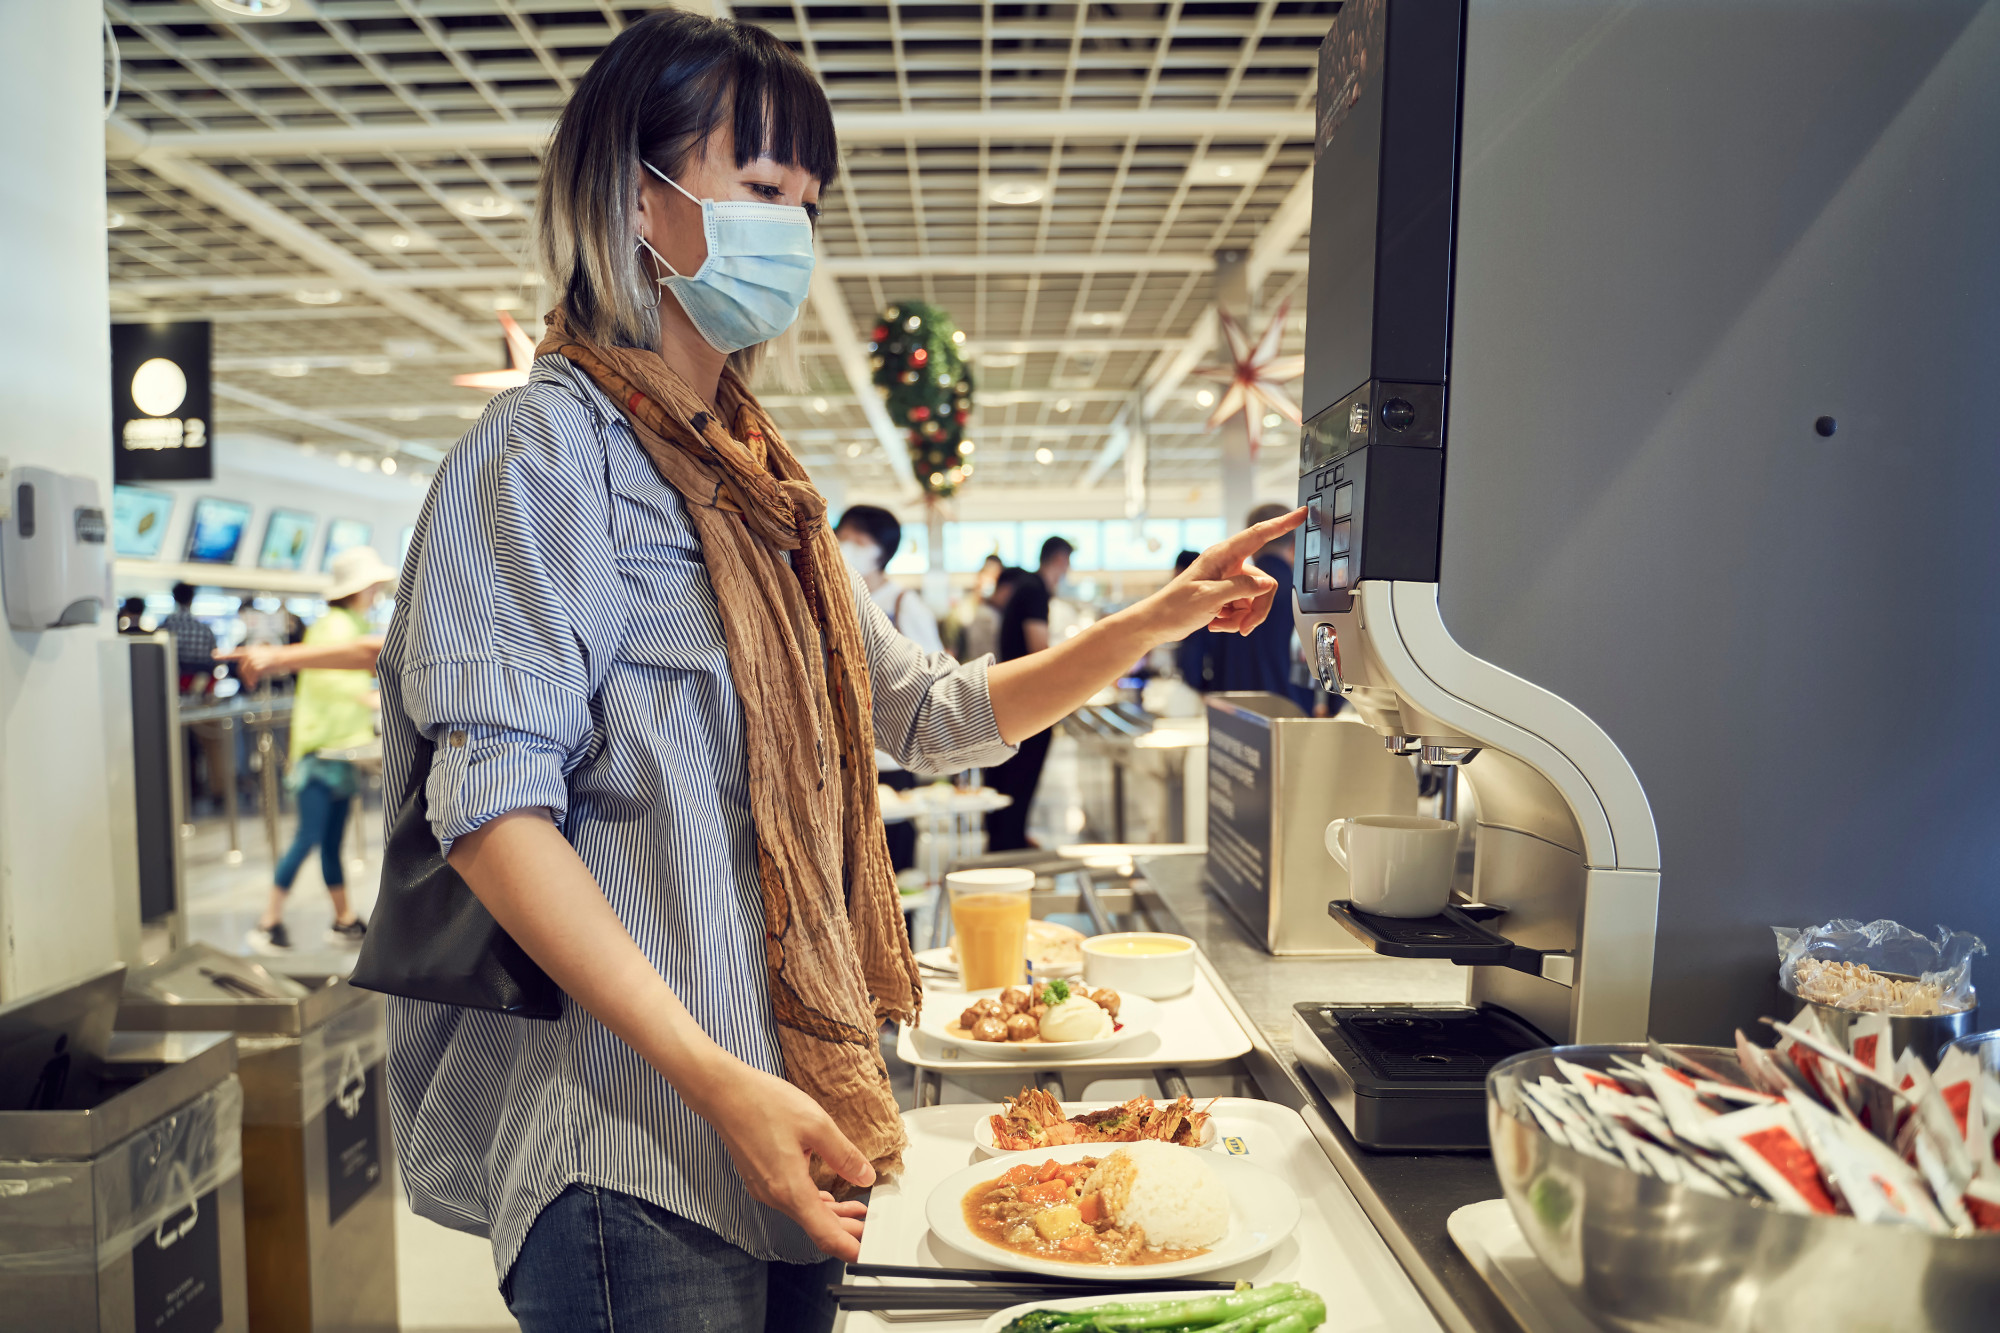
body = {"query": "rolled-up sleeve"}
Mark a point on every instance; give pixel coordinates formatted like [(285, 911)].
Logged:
[(515, 612), (933, 713)]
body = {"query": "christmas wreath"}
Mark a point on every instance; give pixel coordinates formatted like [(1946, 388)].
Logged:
[(928, 389)]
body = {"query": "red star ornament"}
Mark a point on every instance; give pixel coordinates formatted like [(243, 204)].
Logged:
[(1254, 377)]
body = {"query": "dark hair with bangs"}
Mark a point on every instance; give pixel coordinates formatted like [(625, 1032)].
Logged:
[(656, 93)]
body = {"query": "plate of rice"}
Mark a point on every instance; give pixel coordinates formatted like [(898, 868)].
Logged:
[(1148, 1210)]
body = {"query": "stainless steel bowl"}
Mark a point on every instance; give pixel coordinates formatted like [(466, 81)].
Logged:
[(1929, 1034), (1645, 1256), (1983, 1047)]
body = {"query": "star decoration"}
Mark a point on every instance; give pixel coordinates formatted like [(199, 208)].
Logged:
[(520, 351), (1254, 377)]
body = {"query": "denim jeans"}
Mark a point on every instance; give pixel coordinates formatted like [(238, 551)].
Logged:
[(597, 1261), (322, 822)]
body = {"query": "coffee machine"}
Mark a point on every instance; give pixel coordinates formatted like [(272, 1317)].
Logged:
[(1557, 937)]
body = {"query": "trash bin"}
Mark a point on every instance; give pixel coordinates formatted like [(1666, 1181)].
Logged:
[(121, 1171), (316, 1147)]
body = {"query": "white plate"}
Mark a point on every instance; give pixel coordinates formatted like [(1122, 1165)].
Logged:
[(982, 1131), (940, 961), (999, 1321), (1136, 1017), (1262, 1212)]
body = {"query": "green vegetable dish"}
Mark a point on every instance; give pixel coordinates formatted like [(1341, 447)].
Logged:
[(1282, 1307)]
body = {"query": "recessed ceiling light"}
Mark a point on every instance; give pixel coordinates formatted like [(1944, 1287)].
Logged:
[(1271, 420), (1045, 456), (854, 451), (1205, 397), (317, 296), (483, 205), (250, 9), (398, 240), (1016, 192), (1100, 319), (968, 448), (370, 365), (114, 220), (389, 466), (819, 404), (288, 370), (406, 413), (1062, 404), (1225, 171)]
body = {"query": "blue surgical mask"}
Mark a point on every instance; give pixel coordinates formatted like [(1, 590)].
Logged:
[(758, 270)]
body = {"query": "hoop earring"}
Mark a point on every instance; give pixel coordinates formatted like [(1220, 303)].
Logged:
[(636, 249)]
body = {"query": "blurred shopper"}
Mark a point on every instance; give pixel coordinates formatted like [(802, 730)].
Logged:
[(972, 629), (132, 616), (625, 672), (194, 642), (869, 539), (334, 711), (1191, 653), (1024, 629), (979, 613), (1262, 659)]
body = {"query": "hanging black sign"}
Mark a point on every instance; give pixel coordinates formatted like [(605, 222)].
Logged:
[(353, 1137), (162, 414), (177, 1272)]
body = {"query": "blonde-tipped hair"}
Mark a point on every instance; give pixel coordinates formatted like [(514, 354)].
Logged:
[(655, 94)]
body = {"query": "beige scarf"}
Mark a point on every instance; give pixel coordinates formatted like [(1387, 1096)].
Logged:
[(835, 948)]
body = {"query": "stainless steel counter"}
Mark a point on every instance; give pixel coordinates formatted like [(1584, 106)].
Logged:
[(1407, 1196)]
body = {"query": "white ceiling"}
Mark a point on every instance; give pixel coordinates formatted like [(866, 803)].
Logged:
[(254, 160)]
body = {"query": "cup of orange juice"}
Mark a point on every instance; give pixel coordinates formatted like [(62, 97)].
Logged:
[(989, 914)]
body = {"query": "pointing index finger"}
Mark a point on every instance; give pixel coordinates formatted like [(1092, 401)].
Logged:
[(1257, 534)]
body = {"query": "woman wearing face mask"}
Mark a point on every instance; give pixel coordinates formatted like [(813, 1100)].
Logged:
[(642, 689)]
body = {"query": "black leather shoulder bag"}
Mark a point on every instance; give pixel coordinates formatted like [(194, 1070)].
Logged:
[(429, 937)]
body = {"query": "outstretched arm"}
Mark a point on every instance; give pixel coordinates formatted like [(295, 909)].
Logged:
[(1222, 590), (254, 663)]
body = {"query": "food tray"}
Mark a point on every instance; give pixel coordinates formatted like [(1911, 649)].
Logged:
[(1493, 1243), (1194, 1030), (1334, 1250)]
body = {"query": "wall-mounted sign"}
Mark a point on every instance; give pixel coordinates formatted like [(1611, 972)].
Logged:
[(161, 406)]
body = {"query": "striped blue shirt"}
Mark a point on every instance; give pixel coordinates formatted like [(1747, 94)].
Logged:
[(557, 639)]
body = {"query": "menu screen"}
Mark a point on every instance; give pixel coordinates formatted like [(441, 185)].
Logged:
[(341, 535), (139, 521), (217, 531), (288, 536)]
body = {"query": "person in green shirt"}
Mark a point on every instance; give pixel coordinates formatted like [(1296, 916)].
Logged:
[(333, 711)]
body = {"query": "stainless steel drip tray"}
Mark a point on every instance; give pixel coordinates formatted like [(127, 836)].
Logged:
[(145, 1075)]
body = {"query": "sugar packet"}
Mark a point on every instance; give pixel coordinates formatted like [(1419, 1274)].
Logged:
[(1767, 1143)]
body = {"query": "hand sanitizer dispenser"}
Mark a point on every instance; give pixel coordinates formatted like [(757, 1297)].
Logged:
[(54, 565)]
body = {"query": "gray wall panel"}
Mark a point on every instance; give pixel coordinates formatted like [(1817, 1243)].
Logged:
[(1688, 230)]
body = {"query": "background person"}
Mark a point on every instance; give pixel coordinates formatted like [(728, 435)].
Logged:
[(973, 627), (869, 539), (194, 642), (333, 710), (1024, 629)]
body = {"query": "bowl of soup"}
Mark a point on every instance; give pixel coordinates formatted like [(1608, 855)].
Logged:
[(1156, 966)]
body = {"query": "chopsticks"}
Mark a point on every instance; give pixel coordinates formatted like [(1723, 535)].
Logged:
[(988, 1289), (1016, 1278)]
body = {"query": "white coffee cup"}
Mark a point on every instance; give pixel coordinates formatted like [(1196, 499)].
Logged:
[(1397, 865)]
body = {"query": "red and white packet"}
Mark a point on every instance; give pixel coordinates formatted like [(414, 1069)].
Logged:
[(1767, 1143), (1876, 1185)]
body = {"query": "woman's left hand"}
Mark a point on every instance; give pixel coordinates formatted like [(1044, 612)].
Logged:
[(1223, 590)]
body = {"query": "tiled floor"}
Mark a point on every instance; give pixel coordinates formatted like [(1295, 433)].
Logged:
[(445, 1277)]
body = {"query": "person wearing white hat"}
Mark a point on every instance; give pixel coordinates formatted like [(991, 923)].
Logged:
[(334, 710)]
